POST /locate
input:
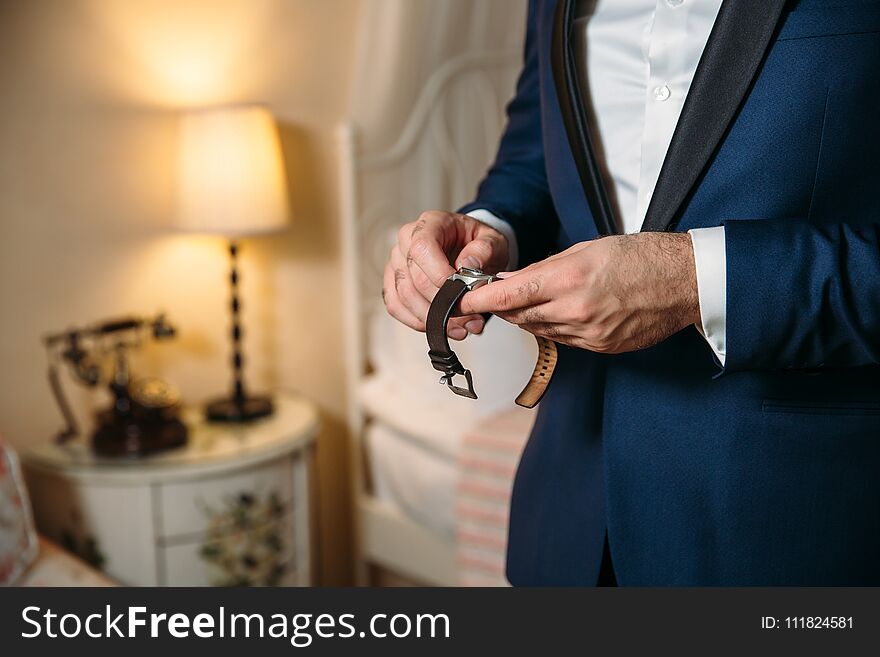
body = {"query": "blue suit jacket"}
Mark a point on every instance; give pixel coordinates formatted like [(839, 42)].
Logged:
[(765, 471)]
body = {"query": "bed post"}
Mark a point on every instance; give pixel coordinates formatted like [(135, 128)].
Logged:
[(354, 339)]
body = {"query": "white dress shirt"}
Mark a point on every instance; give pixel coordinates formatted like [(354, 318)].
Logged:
[(638, 58)]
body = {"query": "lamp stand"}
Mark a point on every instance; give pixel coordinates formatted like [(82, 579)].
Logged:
[(239, 407)]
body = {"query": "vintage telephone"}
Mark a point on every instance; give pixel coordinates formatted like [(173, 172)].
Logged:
[(143, 417)]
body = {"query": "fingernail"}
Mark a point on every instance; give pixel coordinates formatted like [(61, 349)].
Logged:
[(474, 326), (457, 333), (471, 263), (504, 274)]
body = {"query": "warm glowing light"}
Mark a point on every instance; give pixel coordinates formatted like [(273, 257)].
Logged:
[(185, 54), (230, 172)]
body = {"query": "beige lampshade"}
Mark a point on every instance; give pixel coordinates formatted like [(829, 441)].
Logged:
[(231, 177)]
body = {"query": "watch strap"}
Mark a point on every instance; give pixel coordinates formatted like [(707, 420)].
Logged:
[(442, 357), (548, 355)]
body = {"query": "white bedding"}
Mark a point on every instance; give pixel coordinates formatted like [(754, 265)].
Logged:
[(416, 479)]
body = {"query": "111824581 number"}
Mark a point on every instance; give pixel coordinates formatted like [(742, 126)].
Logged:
[(818, 622)]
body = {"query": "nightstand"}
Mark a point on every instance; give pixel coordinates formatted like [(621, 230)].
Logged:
[(232, 507)]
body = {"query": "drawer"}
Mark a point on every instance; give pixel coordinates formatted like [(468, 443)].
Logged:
[(109, 527), (265, 555), (229, 502)]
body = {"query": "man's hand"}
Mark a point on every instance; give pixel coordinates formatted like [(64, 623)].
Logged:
[(609, 295), (421, 261)]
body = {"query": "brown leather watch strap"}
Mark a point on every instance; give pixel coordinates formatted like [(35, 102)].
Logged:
[(442, 357), (540, 379)]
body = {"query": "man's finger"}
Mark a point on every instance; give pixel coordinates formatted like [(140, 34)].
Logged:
[(410, 297), (509, 294), (486, 252), (469, 323), (426, 250), (552, 258), (420, 280), (539, 314), (414, 301), (393, 303), (555, 332)]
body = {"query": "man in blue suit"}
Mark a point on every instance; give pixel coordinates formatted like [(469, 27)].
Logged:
[(689, 194)]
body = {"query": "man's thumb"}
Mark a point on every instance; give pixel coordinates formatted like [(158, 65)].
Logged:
[(474, 255)]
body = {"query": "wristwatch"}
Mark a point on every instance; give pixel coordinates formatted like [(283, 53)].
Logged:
[(444, 359)]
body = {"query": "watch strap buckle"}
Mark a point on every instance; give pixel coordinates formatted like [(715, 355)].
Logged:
[(458, 390), (450, 366)]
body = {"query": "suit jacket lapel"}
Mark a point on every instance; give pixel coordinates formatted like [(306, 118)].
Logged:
[(574, 117), (729, 63)]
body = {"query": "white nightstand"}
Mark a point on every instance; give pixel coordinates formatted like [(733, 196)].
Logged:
[(234, 506)]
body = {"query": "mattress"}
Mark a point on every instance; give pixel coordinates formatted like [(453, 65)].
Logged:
[(414, 477)]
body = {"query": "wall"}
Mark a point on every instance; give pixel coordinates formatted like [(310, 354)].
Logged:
[(87, 136)]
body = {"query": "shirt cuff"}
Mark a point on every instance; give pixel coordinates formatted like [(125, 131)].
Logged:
[(710, 260), (486, 217)]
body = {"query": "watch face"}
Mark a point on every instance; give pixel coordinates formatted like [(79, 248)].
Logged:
[(473, 277)]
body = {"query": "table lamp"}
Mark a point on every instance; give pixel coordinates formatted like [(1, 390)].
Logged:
[(231, 182)]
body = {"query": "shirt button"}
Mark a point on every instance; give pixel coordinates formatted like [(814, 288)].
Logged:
[(674, 3), (661, 93)]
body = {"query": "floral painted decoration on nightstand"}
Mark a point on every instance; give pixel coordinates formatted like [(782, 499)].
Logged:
[(244, 545), (76, 541)]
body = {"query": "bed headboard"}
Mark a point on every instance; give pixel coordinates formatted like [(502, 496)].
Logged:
[(443, 149)]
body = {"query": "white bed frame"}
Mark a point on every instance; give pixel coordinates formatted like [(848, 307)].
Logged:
[(435, 163)]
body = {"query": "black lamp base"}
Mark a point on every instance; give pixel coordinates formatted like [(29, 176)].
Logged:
[(238, 410), (239, 407)]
